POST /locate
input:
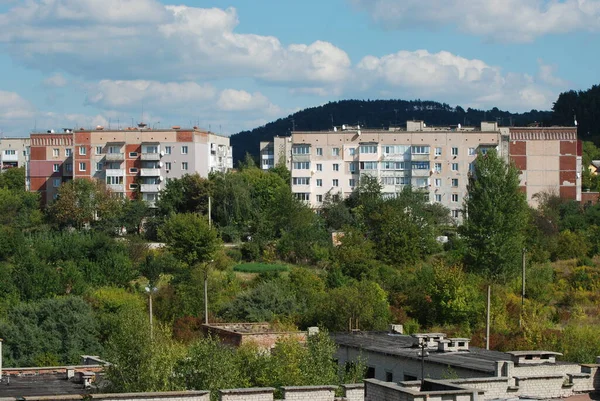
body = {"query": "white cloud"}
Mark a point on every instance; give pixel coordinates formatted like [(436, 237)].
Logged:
[(447, 77), (143, 39), (503, 20), (55, 81), (14, 107), (240, 100), (127, 94)]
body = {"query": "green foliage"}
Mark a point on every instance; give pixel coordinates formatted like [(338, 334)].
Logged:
[(57, 330), (259, 267), (189, 238), (570, 245), (13, 179), (495, 218), (188, 194)]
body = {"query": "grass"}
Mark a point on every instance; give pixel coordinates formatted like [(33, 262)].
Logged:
[(256, 267)]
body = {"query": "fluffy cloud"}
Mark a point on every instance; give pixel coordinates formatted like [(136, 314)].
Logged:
[(14, 107), (55, 81), (240, 100), (132, 94), (503, 20), (447, 77), (144, 39)]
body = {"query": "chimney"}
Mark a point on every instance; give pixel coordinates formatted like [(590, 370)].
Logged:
[(396, 329)]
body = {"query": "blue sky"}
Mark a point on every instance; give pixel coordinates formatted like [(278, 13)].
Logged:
[(233, 65)]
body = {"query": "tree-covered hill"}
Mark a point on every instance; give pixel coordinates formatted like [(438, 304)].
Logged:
[(376, 114)]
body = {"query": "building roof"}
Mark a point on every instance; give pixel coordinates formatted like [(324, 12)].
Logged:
[(477, 359), (39, 385)]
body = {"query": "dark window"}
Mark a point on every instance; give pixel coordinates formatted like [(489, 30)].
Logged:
[(409, 378), (461, 343), (370, 373), (389, 377)]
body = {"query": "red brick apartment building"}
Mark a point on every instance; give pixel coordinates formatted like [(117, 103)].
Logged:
[(128, 161)]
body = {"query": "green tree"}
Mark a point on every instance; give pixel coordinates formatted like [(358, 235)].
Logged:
[(188, 194), (495, 214), (13, 179), (356, 254), (189, 238), (20, 210)]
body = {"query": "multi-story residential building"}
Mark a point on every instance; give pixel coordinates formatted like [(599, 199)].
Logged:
[(130, 161), (436, 160), (13, 152)]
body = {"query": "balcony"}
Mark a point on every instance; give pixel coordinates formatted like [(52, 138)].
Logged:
[(115, 172), (151, 157), (150, 172), (149, 188), (421, 173), (116, 187), (115, 157), (419, 157), (10, 158)]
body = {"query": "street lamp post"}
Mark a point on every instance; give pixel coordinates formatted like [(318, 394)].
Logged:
[(150, 290), (206, 292)]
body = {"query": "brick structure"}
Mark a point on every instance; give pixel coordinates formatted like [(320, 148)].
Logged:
[(262, 334)]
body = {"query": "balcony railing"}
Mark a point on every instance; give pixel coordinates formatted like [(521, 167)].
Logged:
[(150, 172), (116, 187), (151, 156), (115, 156), (115, 172), (150, 188), (10, 158)]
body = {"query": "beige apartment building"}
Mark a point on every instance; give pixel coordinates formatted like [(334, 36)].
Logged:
[(13, 152), (436, 160)]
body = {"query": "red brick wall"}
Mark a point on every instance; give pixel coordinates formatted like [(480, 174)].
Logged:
[(568, 148), (568, 163), (568, 176), (518, 148), (520, 162), (37, 153), (591, 197), (185, 136), (568, 192)]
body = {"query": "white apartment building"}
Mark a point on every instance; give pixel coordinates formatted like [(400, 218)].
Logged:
[(436, 160), (13, 152)]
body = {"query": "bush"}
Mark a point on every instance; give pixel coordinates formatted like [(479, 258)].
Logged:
[(235, 254), (260, 268)]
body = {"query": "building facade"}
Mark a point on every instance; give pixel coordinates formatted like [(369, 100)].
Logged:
[(436, 160), (13, 152), (130, 161)]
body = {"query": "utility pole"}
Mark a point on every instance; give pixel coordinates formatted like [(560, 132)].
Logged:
[(423, 354), (150, 313), (487, 325), (206, 291), (522, 288), (209, 212)]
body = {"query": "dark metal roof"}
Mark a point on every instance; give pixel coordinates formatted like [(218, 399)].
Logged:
[(404, 346), (39, 385)]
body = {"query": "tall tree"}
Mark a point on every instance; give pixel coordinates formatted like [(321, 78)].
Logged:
[(496, 215)]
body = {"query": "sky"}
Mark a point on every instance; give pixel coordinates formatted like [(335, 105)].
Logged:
[(230, 65)]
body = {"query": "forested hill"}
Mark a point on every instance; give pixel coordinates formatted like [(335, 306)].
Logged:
[(376, 114)]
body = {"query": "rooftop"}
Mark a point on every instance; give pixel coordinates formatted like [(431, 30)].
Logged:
[(39, 385), (477, 359)]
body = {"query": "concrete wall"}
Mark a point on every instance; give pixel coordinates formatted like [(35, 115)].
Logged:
[(165, 396), (350, 392)]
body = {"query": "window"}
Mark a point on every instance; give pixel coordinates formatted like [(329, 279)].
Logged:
[(455, 198), (98, 166), (389, 377), (368, 149), (303, 196), (471, 151), (114, 180), (301, 165), (352, 151), (153, 149), (395, 149), (184, 150), (133, 154), (393, 165), (319, 167), (168, 165), (68, 152), (352, 182), (10, 152), (438, 197), (168, 150), (56, 182), (421, 182), (69, 167), (370, 372), (82, 151), (319, 182), (438, 182), (420, 150), (336, 182), (471, 167), (368, 165), (336, 167), (335, 151), (454, 166), (456, 213), (420, 165), (352, 167), (319, 151), (300, 150), (133, 170), (395, 181), (133, 186), (55, 152), (455, 182), (82, 166), (300, 181), (56, 167), (438, 151), (437, 167), (98, 150), (454, 151), (184, 166), (319, 198)]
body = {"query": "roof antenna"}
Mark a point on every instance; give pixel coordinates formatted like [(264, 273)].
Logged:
[(575, 116)]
